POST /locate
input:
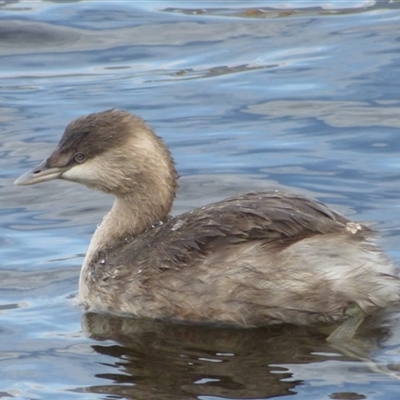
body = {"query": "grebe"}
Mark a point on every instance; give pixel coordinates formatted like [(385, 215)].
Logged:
[(255, 259)]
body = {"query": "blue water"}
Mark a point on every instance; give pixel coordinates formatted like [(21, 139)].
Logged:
[(300, 95)]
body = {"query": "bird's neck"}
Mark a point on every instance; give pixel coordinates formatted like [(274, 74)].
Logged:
[(127, 218)]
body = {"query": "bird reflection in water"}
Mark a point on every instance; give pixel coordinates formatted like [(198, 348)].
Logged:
[(160, 360)]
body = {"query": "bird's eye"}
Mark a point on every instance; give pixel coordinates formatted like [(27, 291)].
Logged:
[(79, 158)]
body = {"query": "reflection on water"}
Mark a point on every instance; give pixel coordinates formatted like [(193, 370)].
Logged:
[(183, 362), (334, 113)]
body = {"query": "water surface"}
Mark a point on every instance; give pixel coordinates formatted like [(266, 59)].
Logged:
[(302, 96)]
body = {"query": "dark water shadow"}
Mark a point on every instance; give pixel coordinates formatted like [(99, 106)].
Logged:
[(159, 360)]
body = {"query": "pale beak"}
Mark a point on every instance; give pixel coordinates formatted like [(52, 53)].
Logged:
[(41, 173)]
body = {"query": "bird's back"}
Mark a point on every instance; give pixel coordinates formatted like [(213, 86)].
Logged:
[(250, 260)]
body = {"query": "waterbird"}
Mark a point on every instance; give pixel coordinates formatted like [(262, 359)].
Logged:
[(255, 259)]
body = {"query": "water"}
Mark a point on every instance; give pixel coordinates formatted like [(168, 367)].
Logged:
[(248, 95)]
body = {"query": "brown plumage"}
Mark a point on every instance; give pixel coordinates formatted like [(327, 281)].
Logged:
[(254, 259)]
